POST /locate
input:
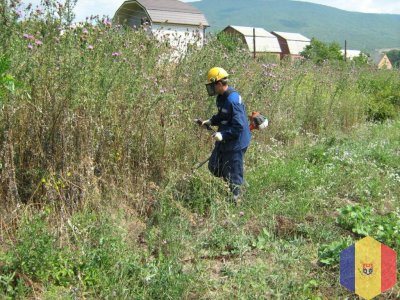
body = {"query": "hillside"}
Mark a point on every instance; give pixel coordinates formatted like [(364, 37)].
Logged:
[(362, 31)]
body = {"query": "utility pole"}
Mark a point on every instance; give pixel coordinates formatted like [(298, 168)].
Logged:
[(254, 42)]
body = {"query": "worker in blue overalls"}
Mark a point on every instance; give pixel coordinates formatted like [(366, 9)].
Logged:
[(233, 135)]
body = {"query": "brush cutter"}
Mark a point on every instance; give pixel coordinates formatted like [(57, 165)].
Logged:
[(212, 131)]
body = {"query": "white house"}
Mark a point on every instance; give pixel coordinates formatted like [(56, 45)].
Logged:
[(169, 20), (350, 54)]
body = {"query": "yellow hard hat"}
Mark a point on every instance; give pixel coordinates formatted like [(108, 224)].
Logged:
[(215, 74)]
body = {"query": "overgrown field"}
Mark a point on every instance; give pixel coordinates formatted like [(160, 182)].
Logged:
[(98, 196)]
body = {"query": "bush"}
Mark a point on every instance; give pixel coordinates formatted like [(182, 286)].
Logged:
[(319, 51), (383, 88)]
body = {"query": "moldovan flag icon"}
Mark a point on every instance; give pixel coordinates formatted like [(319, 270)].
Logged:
[(368, 268)]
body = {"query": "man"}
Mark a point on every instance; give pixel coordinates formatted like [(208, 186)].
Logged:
[(233, 135)]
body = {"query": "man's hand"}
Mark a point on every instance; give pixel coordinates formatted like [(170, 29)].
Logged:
[(217, 136)]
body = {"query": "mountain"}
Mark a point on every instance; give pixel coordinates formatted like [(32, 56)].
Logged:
[(362, 31)]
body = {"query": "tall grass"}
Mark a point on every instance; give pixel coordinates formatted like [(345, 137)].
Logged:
[(100, 118)]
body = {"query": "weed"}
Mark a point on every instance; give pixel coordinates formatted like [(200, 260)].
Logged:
[(97, 117)]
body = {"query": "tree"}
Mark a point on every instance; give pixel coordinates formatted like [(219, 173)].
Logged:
[(361, 60), (319, 51), (394, 57)]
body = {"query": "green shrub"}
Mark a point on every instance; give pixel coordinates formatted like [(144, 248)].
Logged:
[(329, 254), (363, 221), (319, 51), (383, 87)]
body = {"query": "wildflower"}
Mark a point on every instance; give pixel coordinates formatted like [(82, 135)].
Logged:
[(85, 31), (28, 36), (107, 22), (241, 214), (18, 13), (29, 6), (116, 54), (38, 42), (90, 47), (30, 47)]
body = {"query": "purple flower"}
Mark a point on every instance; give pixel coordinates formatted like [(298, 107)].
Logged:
[(38, 42), (28, 36), (90, 47), (107, 22), (30, 47), (116, 53), (18, 13), (241, 214), (85, 31)]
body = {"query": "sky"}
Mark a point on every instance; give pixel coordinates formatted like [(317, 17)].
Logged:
[(365, 6), (86, 8)]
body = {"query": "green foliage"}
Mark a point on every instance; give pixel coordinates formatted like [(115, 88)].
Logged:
[(35, 257), (7, 81), (361, 60), (231, 42), (364, 222), (329, 254), (394, 57), (225, 241), (263, 240), (320, 52), (95, 258), (383, 89)]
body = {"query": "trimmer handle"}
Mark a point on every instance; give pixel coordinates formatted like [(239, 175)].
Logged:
[(200, 122)]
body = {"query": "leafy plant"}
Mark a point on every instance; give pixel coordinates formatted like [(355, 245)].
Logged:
[(7, 81), (329, 254), (361, 60), (364, 222), (355, 218), (394, 57), (263, 240), (319, 51)]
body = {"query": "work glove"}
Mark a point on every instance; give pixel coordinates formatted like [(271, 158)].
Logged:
[(206, 123), (217, 136)]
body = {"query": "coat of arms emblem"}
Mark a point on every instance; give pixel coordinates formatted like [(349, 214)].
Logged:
[(368, 269)]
